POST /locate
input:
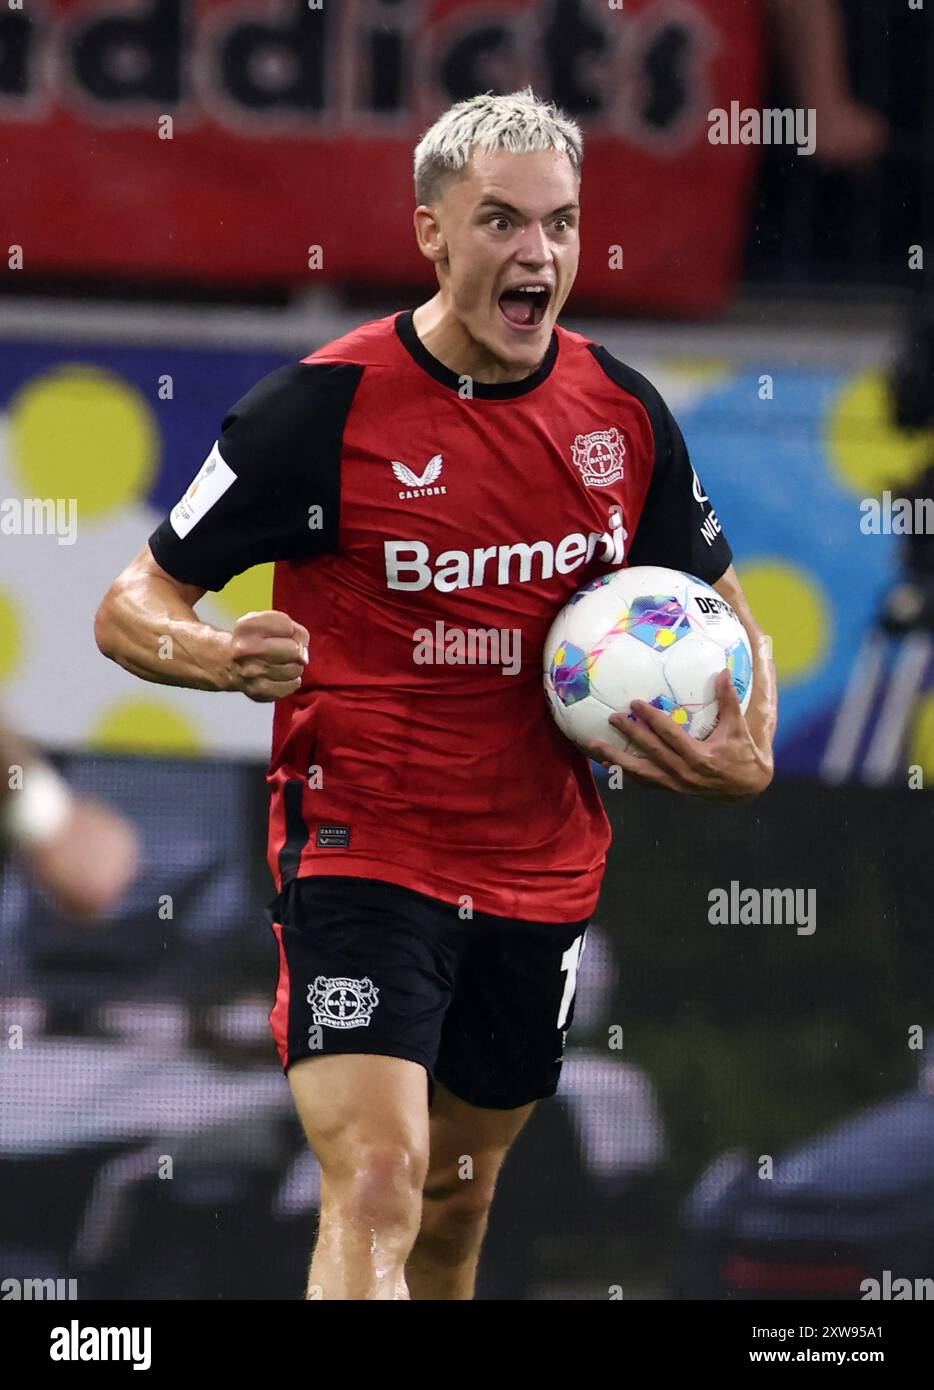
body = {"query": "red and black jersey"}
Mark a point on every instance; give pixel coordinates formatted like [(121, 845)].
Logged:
[(404, 505)]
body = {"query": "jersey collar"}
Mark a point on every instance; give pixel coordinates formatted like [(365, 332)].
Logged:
[(504, 391)]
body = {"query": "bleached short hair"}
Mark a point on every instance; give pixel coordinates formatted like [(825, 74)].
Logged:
[(518, 122)]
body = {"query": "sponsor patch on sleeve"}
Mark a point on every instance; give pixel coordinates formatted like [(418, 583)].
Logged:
[(213, 479)]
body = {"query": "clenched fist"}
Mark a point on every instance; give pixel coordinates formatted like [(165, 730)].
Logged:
[(268, 653)]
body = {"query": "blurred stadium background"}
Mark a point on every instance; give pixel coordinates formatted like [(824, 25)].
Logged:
[(156, 269)]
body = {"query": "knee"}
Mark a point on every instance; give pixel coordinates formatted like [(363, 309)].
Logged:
[(455, 1215), (379, 1187)]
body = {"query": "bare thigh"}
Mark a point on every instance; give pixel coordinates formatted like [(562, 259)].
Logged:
[(357, 1106), (468, 1145)]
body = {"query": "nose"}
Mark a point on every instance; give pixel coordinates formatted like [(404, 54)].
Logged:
[(533, 249)]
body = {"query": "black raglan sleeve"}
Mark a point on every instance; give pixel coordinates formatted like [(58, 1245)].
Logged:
[(270, 488), (678, 527)]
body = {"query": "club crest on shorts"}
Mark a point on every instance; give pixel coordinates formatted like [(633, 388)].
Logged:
[(342, 1003), (599, 456)]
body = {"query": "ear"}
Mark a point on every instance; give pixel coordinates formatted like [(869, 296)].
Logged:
[(428, 234)]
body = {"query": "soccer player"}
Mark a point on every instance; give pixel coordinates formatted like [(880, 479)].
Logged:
[(437, 845)]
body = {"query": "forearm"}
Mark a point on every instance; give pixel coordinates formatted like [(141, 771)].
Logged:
[(146, 627), (762, 714)]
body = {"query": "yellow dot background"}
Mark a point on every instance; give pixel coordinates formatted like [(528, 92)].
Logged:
[(144, 726), (250, 592), (790, 605), (921, 741), (81, 432), (865, 449), (11, 635)]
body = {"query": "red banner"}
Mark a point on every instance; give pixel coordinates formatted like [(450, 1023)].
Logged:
[(216, 142)]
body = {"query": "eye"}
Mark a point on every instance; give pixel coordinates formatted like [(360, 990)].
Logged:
[(562, 224), (500, 217)]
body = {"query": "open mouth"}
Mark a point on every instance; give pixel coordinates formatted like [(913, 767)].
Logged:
[(524, 307)]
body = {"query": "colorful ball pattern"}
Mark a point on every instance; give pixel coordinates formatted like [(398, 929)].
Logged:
[(645, 633)]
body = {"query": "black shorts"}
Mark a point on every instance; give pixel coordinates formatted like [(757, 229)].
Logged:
[(484, 1004)]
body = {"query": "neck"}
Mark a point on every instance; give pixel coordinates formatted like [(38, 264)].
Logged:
[(447, 339)]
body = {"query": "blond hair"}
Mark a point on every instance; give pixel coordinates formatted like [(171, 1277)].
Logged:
[(518, 122)]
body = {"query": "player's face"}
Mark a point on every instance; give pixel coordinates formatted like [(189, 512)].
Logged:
[(512, 221)]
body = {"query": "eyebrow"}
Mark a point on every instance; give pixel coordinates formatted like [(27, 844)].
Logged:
[(508, 207)]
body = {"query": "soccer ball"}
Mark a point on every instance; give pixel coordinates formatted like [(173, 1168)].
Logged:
[(648, 634)]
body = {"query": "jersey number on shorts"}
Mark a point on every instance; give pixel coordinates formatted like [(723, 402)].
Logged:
[(569, 962)]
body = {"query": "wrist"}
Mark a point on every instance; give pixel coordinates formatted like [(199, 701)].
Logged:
[(223, 669), (765, 771)]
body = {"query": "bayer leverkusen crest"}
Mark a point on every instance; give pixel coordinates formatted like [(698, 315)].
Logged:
[(599, 456)]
